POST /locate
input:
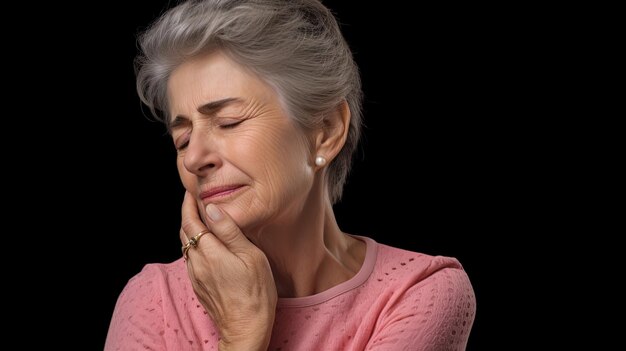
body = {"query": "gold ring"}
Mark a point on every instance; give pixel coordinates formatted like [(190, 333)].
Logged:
[(193, 242)]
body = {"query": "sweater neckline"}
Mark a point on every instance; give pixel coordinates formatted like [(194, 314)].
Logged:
[(359, 279)]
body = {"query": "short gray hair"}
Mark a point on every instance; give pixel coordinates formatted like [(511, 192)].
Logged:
[(294, 45)]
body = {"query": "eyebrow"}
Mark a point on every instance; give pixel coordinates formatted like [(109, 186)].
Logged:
[(206, 109)]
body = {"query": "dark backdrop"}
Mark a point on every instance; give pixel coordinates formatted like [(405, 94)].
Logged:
[(434, 173)]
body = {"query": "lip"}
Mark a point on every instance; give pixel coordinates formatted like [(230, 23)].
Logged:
[(219, 192)]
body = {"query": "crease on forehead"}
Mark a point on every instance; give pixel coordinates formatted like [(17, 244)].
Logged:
[(213, 107), (210, 108)]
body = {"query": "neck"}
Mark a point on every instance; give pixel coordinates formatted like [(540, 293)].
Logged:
[(308, 252)]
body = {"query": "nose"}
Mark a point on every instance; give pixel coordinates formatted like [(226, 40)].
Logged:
[(201, 156)]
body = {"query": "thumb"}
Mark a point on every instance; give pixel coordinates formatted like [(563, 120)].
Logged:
[(225, 229)]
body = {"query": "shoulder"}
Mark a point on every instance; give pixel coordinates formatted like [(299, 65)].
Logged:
[(153, 279), (159, 272), (414, 265), (414, 272), (432, 295), (141, 307)]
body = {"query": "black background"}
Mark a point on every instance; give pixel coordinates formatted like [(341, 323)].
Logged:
[(439, 170)]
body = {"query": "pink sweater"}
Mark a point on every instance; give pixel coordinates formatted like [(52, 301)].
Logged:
[(399, 300)]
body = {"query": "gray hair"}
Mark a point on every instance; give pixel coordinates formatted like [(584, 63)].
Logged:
[(294, 45)]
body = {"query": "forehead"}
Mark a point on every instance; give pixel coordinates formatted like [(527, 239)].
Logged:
[(212, 77)]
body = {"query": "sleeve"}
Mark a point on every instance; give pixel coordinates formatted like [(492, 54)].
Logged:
[(435, 314), (137, 322)]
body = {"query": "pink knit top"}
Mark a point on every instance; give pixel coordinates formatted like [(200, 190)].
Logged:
[(399, 300)]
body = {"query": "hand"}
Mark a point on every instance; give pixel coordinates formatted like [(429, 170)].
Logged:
[(231, 277)]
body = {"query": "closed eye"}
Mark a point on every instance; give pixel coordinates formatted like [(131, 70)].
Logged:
[(230, 125), (183, 141), (182, 146)]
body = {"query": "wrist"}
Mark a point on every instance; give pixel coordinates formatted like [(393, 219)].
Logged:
[(256, 337), (251, 343)]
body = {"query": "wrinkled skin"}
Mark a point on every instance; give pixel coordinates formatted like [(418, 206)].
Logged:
[(243, 159)]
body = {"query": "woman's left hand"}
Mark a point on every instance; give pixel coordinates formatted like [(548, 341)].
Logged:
[(231, 277)]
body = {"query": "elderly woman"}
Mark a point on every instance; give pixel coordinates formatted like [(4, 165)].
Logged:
[(262, 100)]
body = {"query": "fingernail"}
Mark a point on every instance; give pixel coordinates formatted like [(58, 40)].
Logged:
[(214, 212)]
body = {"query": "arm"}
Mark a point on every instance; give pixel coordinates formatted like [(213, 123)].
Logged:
[(433, 315), (137, 318)]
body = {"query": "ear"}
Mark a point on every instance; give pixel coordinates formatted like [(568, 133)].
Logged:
[(332, 136)]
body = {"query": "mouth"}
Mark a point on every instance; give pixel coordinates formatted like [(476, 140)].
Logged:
[(219, 193)]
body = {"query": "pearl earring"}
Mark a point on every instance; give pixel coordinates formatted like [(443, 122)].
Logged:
[(320, 161)]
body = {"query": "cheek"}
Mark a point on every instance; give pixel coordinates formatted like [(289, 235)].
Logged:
[(280, 161)]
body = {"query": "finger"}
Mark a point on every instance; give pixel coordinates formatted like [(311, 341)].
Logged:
[(183, 237), (226, 230), (191, 223), (192, 226)]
